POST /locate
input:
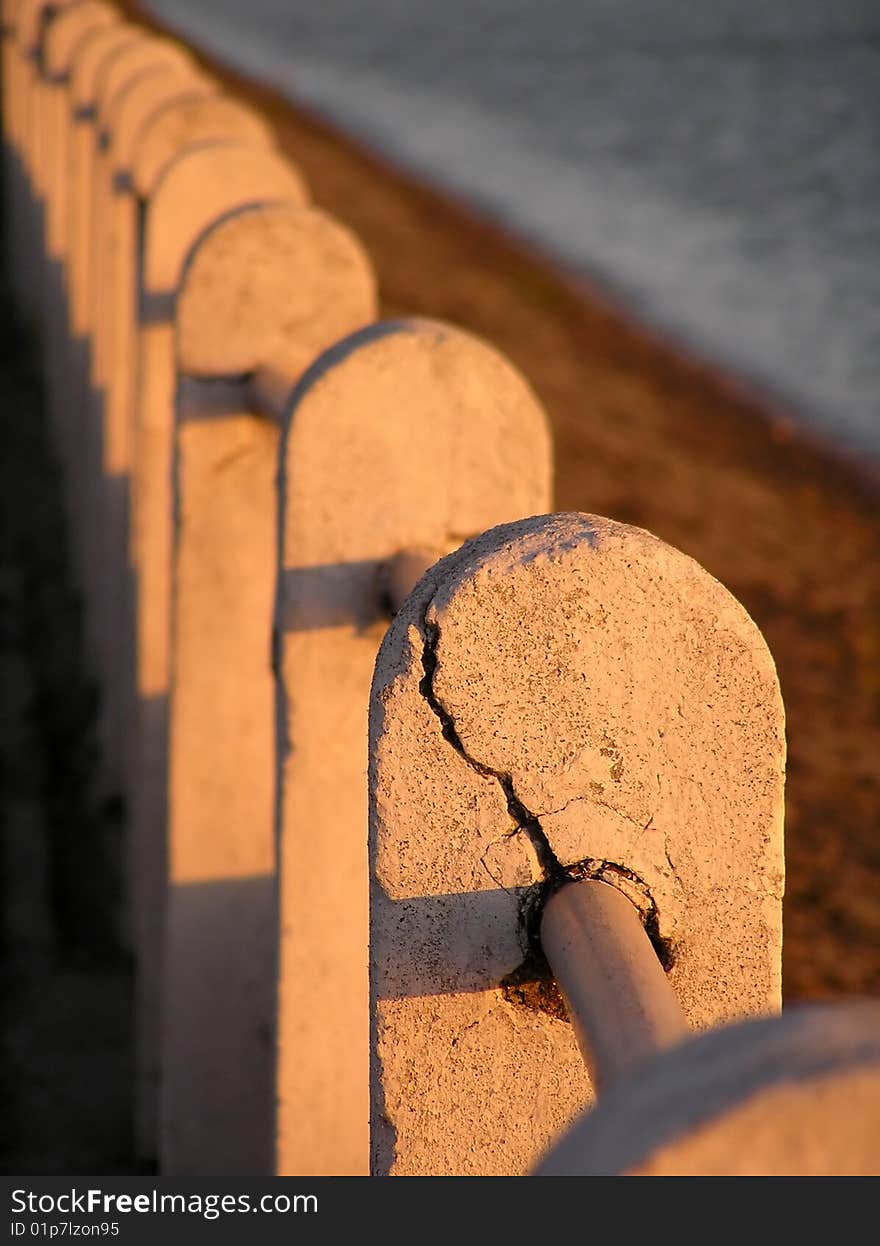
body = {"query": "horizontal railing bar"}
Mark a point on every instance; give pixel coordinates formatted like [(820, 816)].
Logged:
[(619, 999)]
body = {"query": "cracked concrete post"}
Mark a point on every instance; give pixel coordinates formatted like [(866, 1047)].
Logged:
[(62, 41), (563, 692), (410, 435), (266, 287), (796, 1095)]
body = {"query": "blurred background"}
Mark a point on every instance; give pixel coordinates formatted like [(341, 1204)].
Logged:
[(717, 164), (666, 215)]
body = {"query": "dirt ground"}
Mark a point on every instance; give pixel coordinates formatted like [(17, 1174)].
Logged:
[(642, 434)]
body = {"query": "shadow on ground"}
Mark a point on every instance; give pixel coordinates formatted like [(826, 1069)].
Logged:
[(66, 976)]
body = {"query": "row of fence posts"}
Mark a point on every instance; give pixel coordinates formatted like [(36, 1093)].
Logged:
[(260, 476)]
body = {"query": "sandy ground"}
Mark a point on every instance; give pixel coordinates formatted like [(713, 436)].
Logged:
[(641, 434)]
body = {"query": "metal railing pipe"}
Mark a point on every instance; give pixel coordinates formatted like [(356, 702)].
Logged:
[(619, 999)]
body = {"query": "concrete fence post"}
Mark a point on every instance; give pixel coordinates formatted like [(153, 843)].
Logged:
[(20, 74), (116, 325), (24, 27), (104, 446), (37, 18), (794, 1095), (564, 697), (61, 45), (194, 115), (198, 187), (9, 45), (13, 109), (400, 443), (28, 208), (97, 50), (144, 58), (194, 121), (116, 300), (265, 288)]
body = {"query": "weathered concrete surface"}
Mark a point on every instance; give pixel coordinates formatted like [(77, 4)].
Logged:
[(36, 17), (115, 249), (275, 286), (96, 50), (166, 243), (271, 287), (231, 175), (797, 1095), (60, 47), (151, 89), (28, 141), (12, 170), (566, 690), (127, 115), (193, 122), (143, 57), (410, 434), (198, 187), (65, 35)]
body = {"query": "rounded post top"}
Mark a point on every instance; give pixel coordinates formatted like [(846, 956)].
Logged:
[(443, 435), (93, 54), (629, 709), (69, 29), (138, 101), (201, 185), (29, 21), (271, 287), (143, 55), (193, 119), (562, 697)]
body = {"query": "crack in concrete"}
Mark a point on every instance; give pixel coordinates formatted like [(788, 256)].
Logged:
[(525, 820), (602, 804), (532, 983), (501, 839), (551, 813)]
